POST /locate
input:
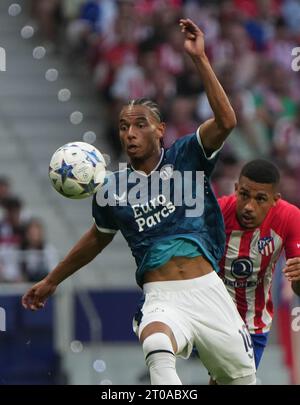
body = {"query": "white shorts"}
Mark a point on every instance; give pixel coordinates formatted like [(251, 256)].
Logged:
[(201, 313)]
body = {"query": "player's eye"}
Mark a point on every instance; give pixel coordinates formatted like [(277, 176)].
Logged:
[(261, 199), (243, 195), (141, 125), (123, 127)]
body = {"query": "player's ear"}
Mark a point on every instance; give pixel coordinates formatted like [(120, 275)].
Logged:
[(161, 129), (236, 186), (277, 196)]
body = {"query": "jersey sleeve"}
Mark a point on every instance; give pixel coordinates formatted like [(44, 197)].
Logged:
[(103, 218), (292, 241), (192, 153), (210, 161)]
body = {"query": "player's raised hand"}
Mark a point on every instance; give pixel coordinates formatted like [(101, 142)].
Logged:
[(36, 296), (292, 269), (194, 38)]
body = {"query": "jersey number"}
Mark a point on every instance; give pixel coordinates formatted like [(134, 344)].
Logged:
[(246, 338)]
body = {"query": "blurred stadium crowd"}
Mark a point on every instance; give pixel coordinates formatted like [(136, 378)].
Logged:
[(25, 255), (134, 48), (130, 49)]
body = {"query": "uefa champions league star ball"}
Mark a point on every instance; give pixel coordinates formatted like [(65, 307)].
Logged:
[(77, 170)]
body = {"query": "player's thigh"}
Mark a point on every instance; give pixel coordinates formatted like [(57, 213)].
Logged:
[(225, 354), (158, 316), (222, 340), (159, 327)]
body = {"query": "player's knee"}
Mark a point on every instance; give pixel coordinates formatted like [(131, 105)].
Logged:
[(247, 380), (160, 359), (157, 342), (158, 351)]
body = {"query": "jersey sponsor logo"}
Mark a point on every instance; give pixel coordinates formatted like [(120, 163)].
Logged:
[(166, 172), (266, 246), (153, 212), (241, 283), (242, 268)]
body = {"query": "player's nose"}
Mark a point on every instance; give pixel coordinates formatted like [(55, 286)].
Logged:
[(249, 207), (131, 132)]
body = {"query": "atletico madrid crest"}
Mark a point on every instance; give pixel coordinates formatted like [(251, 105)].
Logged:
[(266, 246)]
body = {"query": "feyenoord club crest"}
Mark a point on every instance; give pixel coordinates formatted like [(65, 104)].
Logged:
[(266, 246), (166, 172)]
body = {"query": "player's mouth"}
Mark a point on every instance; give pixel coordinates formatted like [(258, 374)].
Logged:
[(132, 148), (247, 219)]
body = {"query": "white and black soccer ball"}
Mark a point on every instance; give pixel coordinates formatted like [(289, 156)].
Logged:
[(77, 170)]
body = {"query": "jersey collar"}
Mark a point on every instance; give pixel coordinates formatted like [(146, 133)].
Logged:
[(162, 153)]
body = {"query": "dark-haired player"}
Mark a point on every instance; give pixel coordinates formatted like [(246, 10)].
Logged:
[(186, 303), (258, 225)]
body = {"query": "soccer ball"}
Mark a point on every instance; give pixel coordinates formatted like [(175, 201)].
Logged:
[(77, 170)]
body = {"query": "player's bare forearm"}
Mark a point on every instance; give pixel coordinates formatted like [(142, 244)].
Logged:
[(292, 272), (292, 269), (85, 250), (296, 287), (218, 100), (214, 131)]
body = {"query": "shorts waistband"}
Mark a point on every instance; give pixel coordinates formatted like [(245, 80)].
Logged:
[(205, 281)]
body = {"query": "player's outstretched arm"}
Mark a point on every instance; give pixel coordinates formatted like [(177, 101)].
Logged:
[(292, 272), (213, 131), (85, 250)]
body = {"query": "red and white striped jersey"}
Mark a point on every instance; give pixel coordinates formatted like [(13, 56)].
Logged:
[(250, 257)]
